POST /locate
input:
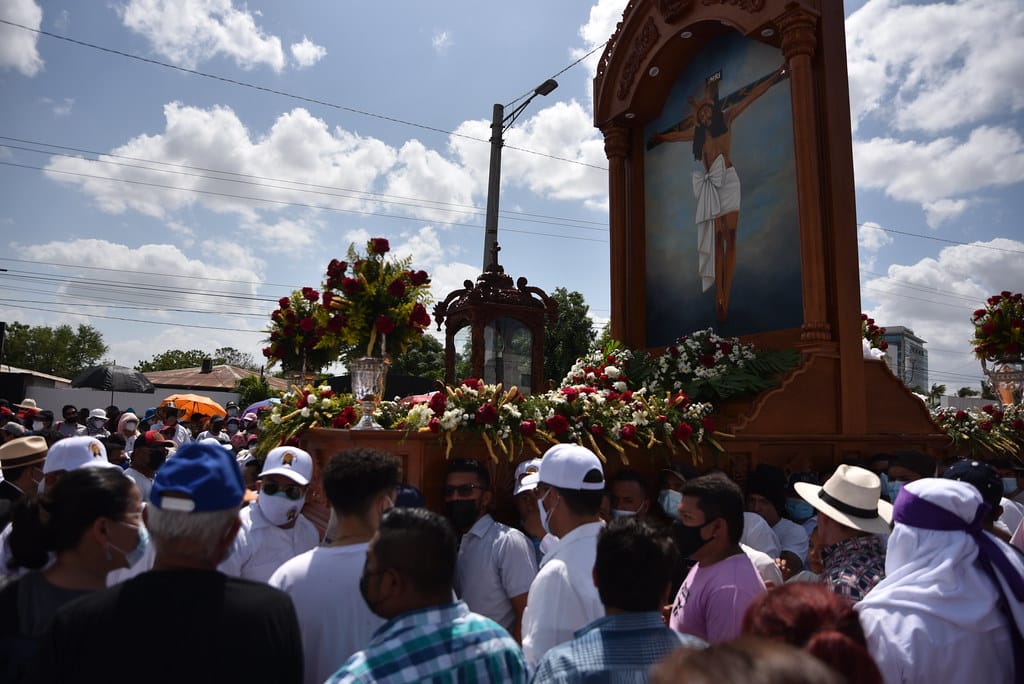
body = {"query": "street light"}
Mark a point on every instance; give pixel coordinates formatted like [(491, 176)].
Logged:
[(500, 122)]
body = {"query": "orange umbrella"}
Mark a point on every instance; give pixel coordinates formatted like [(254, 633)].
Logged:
[(195, 403)]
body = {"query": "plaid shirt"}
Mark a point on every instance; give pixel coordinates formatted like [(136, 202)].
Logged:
[(854, 566), (612, 649), (439, 644)]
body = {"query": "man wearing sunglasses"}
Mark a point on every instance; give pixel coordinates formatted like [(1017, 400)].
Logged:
[(496, 563), (273, 529)]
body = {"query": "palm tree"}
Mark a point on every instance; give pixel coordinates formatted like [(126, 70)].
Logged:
[(936, 394)]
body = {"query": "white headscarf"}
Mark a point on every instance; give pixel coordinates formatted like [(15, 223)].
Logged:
[(937, 572)]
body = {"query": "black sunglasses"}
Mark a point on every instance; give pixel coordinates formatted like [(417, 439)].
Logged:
[(461, 490), (292, 492)]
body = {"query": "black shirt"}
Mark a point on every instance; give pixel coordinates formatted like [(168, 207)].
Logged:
[(175, 626)]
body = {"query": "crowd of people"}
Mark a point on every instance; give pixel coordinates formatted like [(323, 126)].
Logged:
[(184, 558)]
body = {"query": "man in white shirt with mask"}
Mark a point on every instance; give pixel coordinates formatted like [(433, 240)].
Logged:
[(273, 529)]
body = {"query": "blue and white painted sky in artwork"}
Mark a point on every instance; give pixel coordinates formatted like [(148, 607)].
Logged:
[(222, 197)]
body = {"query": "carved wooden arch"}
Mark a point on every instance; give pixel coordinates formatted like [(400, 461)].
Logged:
[(651, 46)]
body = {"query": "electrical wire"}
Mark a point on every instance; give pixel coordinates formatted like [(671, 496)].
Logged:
[(281, 93)]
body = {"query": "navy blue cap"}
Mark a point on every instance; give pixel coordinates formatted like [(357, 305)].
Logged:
[(198, 478), (984, 477)]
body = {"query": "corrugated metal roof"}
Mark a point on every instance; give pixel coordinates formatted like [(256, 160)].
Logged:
[(222, 378)]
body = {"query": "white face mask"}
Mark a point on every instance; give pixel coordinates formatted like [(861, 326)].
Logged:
[(37, 425), (619, 513), (130, 426), (1009, 485), (279, 509), (669, 500), (97, 423), (544, 515)]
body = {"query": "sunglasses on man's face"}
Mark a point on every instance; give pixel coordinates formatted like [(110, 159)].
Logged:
[(292, 492), (462, 490)]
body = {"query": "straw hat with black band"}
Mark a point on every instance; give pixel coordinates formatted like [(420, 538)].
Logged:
[(851, 497)]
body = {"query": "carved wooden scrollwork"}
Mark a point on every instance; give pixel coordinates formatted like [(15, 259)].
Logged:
[(646, 40)]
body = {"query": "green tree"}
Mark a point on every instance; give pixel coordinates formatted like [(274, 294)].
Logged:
[(252, 389), (422, 361), (987, 391), (936, 394), (967, 392), (62, 351), (229, 356), (569, 337), (172, 359)]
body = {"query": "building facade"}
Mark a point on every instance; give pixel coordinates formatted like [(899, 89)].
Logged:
[(908, 357)]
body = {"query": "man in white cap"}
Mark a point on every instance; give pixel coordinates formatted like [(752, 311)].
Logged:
[(96, 425), (563, 597), (951, 607), (273, 528), (850, 518), (524, 493)]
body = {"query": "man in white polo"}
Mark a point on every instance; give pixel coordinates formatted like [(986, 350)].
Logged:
[(273, 528), (850, 518), (563, 597)]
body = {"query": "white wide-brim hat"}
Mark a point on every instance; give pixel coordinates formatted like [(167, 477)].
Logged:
[(851, 497)]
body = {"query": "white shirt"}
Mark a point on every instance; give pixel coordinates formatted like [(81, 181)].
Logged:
[(333, 617), (758, 534), (562, 597), (262, 547), (765, 564), (792, 537), (495, 563), (181, 433), (1013, 513), (144, 484)]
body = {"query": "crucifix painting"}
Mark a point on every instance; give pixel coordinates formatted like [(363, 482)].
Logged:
[(735, 117)]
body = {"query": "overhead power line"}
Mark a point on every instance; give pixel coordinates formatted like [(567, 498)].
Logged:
[(281, 93), (174, 324)]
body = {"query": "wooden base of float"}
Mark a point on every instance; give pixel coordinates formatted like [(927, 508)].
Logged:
[(795, 426)]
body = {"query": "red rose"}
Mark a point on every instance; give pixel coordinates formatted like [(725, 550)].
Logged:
[(418, 278), (1017, 323), (486, 414), (327, 298), (419, 317), (472, 383), (662, 418), (627, 395), (528, 428), (1012, 348), (988, 408), (284, 302), (337, 323), (708, 423), (961, 415), (379, 246), (986, 426), (707, 360), (307, 324), (628, 432), (612, 395), (1017, 424), (597, 430), (352, 286), (290, 316), (558, 424), (434, 424), (725, 347), (673, 351), (863, 317), (384, 325), (336, 269), (437, 402), (883, 345), (397, 288), (310, 294), (989, 328), (301, 403), (288, 331), (570, 393), (1006, 294), (309, 343), (268, 352), (979, 313), (683, 432)]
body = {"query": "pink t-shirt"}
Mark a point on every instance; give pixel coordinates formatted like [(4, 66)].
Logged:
[(713, 599)]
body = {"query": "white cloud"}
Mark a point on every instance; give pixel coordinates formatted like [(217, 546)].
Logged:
[(935, 298), (943, 210), (871, 237), (18, 49), (307, 53), (420, 172), (936, 66), (188, 32), (64, 107), (441, 41), (940, 169), (600, 26), (62, 21)]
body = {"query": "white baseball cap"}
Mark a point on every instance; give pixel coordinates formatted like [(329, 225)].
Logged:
[(75, 452), (293, 463), (568, 466), (526, 476)]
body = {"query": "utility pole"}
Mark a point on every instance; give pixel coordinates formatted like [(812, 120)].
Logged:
[(499, 124)]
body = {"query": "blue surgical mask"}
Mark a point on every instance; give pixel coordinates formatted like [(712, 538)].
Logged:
[(135, 555), (619, 513), (544, 515), (669, 500), (893, 489), (1009, 485), (798, 509)]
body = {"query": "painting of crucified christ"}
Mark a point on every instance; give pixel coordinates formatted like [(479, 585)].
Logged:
[(731, 108), (717, 189)]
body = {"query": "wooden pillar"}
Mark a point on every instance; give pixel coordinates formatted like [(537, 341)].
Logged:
[(616, 147), (799, 41)]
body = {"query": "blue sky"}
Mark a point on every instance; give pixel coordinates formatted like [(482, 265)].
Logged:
[(257, 191)]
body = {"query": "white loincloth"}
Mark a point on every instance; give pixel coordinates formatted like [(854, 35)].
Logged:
[(717, 192)]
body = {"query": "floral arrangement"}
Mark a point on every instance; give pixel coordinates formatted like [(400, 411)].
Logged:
[(296, 336), (709, 367), (370, 299), (991, 431), (872, 333), (999, 327)]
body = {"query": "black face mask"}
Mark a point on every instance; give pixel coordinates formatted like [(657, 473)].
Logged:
[(462, 513), (156, 458), (688, 538), (364, 582)]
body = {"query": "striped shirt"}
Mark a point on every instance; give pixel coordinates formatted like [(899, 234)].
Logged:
[(438, 644), (854, 566), (615, 649)]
